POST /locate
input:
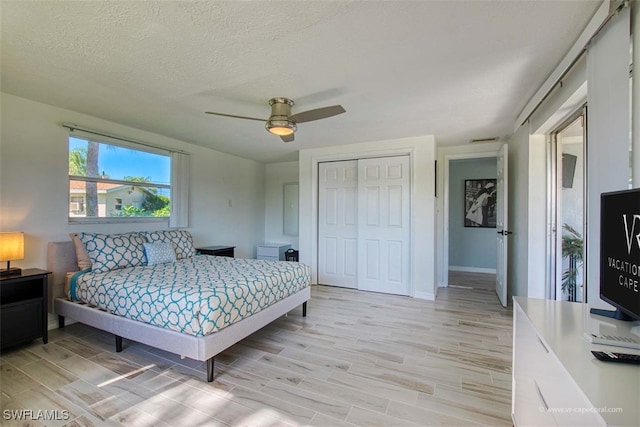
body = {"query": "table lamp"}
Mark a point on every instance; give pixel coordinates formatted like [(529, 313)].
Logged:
[(11, 249)]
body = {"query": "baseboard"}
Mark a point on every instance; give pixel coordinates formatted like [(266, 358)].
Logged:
[(472, 269), (425, 295), (52, 322)]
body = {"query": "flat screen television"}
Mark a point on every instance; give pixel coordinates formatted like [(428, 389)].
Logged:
[(620, 254), (568, 169)]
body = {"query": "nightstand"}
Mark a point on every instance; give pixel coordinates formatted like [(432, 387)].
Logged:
[(23, 307), (272, 251), (227, 251)]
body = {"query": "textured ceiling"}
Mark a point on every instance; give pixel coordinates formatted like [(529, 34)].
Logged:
[(459, 70)]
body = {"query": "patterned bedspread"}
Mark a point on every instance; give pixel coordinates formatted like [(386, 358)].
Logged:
[(197, 296)]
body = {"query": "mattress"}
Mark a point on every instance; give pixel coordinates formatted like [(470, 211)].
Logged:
[(197, 296)]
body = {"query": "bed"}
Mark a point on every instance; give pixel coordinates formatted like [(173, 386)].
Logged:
[(128, 309)]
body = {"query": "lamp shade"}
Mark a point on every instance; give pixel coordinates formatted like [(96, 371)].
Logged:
[(11, 246), (281, 126)]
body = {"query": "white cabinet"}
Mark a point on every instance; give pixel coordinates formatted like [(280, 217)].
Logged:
[(556, 379), (272, 251)]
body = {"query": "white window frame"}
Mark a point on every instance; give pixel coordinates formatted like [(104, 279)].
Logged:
[(178, 187)]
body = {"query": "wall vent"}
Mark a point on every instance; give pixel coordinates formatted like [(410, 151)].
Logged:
[(493, 139)]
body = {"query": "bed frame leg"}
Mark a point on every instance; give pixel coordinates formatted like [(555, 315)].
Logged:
[(210, 370), (60, 321), (118, 344), (304, 309)]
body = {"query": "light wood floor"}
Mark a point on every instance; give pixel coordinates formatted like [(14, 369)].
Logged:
[(480, 281), (358, 358)]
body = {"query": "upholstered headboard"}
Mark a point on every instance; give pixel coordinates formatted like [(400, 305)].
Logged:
[(61, 259)]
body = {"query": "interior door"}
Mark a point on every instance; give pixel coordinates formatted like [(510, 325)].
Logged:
[(384, 225), (338, 223), (502, 189)]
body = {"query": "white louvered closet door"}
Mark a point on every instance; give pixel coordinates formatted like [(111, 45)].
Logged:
[(364, 224)]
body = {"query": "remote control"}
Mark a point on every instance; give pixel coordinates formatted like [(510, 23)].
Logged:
[(614, 340), (608, 356)]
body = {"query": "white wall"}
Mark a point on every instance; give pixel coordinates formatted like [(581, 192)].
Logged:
[(530, 149), (526, 274), (607, 168), (518, 266), (607, 134), (422, 151), (226, 192), (278, 174), (537, 221)]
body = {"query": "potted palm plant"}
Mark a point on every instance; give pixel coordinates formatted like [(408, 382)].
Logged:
[(572, 249)]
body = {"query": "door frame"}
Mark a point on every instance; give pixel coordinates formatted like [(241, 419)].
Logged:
[(316, 160), (555, 205), (445, 208)]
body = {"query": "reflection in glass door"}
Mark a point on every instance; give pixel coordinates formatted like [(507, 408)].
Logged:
[(569, 218)]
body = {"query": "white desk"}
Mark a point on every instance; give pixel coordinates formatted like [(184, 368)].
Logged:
[(553, 367)]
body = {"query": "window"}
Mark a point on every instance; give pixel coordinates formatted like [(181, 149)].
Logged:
[(109, 182)]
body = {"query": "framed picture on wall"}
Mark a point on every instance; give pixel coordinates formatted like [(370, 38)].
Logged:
[(480, 203)]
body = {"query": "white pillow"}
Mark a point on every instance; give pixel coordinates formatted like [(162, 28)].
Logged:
[(159, 253), (182, 240)]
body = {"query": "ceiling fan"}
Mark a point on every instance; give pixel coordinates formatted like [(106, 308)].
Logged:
[(282, 122)]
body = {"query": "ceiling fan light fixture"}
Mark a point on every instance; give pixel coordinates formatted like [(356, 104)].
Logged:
[(282, 123), (281, 127)]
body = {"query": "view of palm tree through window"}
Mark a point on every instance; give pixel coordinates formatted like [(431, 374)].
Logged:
[(110, 181)]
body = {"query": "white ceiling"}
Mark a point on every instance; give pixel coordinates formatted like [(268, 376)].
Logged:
[(459, 70)]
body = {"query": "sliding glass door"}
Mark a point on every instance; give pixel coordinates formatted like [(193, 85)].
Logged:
[(567, 214)]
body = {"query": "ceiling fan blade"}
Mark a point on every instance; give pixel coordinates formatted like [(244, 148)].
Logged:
[(235, 117), (318, 113), (287, 138)]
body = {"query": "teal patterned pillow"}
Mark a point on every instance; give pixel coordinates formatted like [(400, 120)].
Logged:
[(181, 239), (159, 253), (113, 251)]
